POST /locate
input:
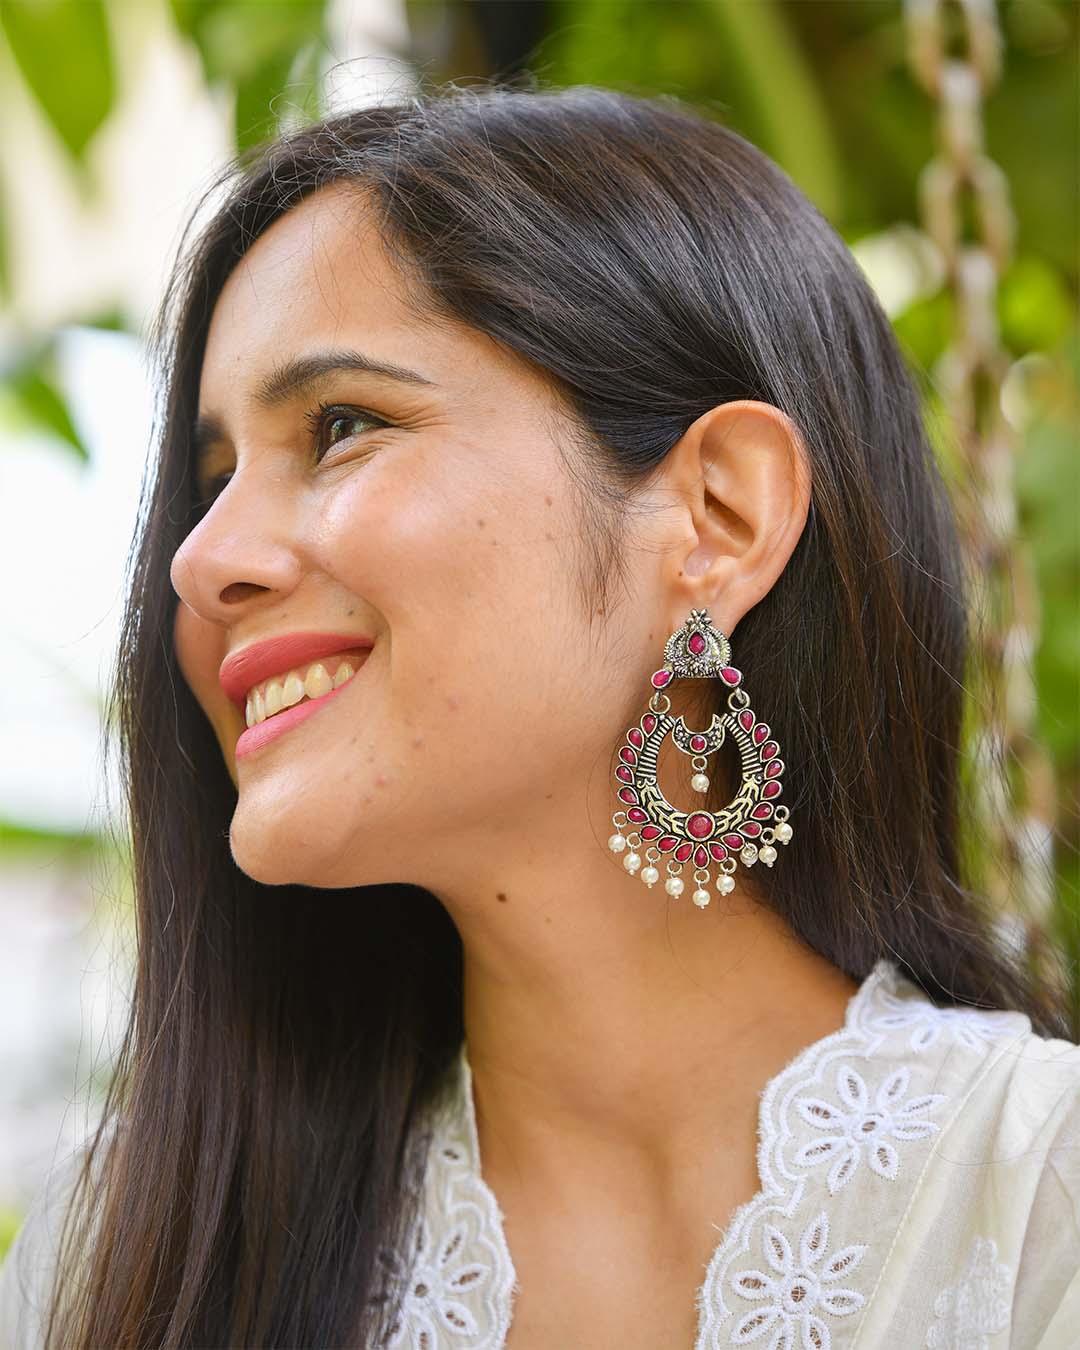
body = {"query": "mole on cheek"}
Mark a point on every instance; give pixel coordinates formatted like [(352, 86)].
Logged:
[(500, 896)]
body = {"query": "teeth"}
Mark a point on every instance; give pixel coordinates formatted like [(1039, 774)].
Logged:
[(273, 698), (292, 687), (292, 691), (317, 681)]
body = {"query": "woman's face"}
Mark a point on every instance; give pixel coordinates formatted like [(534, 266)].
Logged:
[(426, 528)]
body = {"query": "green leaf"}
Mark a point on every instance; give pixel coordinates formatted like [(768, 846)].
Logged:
[(18, 837), (5, 266), (268, 53), (63, 50), (34, 397), (786, 96), (1034, 307)]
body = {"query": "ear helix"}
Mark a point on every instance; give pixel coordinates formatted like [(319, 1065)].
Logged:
[(699, 650)]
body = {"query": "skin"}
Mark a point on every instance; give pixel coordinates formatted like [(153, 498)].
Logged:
[(619, 1039)]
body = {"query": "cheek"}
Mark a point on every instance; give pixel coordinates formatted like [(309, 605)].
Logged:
[(472, 578), (200, 650)]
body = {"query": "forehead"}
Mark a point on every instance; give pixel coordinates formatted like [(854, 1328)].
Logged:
[(317, 275)]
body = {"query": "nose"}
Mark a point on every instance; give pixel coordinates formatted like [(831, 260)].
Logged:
[(242, 551)]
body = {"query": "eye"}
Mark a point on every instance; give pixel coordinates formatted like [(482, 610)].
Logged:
[(322, 418), (327, 417)]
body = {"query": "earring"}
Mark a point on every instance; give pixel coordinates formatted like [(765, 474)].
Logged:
[(696, 650)]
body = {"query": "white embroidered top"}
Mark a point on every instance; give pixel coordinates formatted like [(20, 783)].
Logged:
[(919, 1177)]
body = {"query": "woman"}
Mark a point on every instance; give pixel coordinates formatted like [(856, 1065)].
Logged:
[(498, 423)]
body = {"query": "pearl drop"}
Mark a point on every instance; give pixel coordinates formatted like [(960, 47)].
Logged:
[(617, 843), (700, 782), (650, 876), (674, 886), (726, 884), (749, 854), (631, 862), (783, 832), (701, 898), (768, 855)]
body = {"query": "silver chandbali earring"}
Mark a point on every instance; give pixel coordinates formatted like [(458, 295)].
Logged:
[(698, 650)]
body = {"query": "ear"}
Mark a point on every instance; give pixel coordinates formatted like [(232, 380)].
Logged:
[(741, 474)]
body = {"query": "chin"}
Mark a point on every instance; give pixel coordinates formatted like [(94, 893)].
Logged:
[(272, 857)]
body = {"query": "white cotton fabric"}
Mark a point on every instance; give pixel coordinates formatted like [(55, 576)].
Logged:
[(919, 1179)]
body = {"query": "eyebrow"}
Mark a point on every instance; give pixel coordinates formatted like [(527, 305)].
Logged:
[(292, 377)]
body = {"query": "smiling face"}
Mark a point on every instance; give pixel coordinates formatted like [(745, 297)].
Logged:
[(425, 528)]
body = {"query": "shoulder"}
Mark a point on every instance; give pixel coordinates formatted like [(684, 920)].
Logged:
[(28, 1272), (973, 1119), (1000, 1198)]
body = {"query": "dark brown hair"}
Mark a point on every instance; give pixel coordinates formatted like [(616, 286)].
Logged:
[(283, 1041)]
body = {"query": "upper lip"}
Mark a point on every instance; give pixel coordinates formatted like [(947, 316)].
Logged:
[(243, 669)]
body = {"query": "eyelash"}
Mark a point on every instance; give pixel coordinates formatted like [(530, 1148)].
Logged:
[(319, 415), (314, 420)]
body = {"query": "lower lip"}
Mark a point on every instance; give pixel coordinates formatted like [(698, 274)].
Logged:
[(255, 737)]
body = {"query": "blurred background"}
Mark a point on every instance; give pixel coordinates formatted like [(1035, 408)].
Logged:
[(940, 139)]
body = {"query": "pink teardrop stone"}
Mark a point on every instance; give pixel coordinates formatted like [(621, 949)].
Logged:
[(774, 767), (629, 796), (635, 737), (650, 831), (762, 812), (749, 827), (733, 840), (701, 856), (624, 775), (771, 789), (761, 732), (661, 678), (636, 814), (627, 755), (682, 853), (696, 643), (769, 749), (697, 742), (718, 851), (648, 722), (666, 844), (700, 826), (731, 675), (746, 717)]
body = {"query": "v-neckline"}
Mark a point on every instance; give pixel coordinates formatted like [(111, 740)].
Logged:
[(884, 971)]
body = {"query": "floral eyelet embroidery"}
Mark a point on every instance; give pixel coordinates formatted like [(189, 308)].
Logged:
[(798, 1289), (975, 1307), (458, 1288), (436, 1277), (857, 1128), (972, 1028)]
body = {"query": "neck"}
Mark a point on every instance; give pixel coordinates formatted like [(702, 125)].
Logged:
[(638, 1042)]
